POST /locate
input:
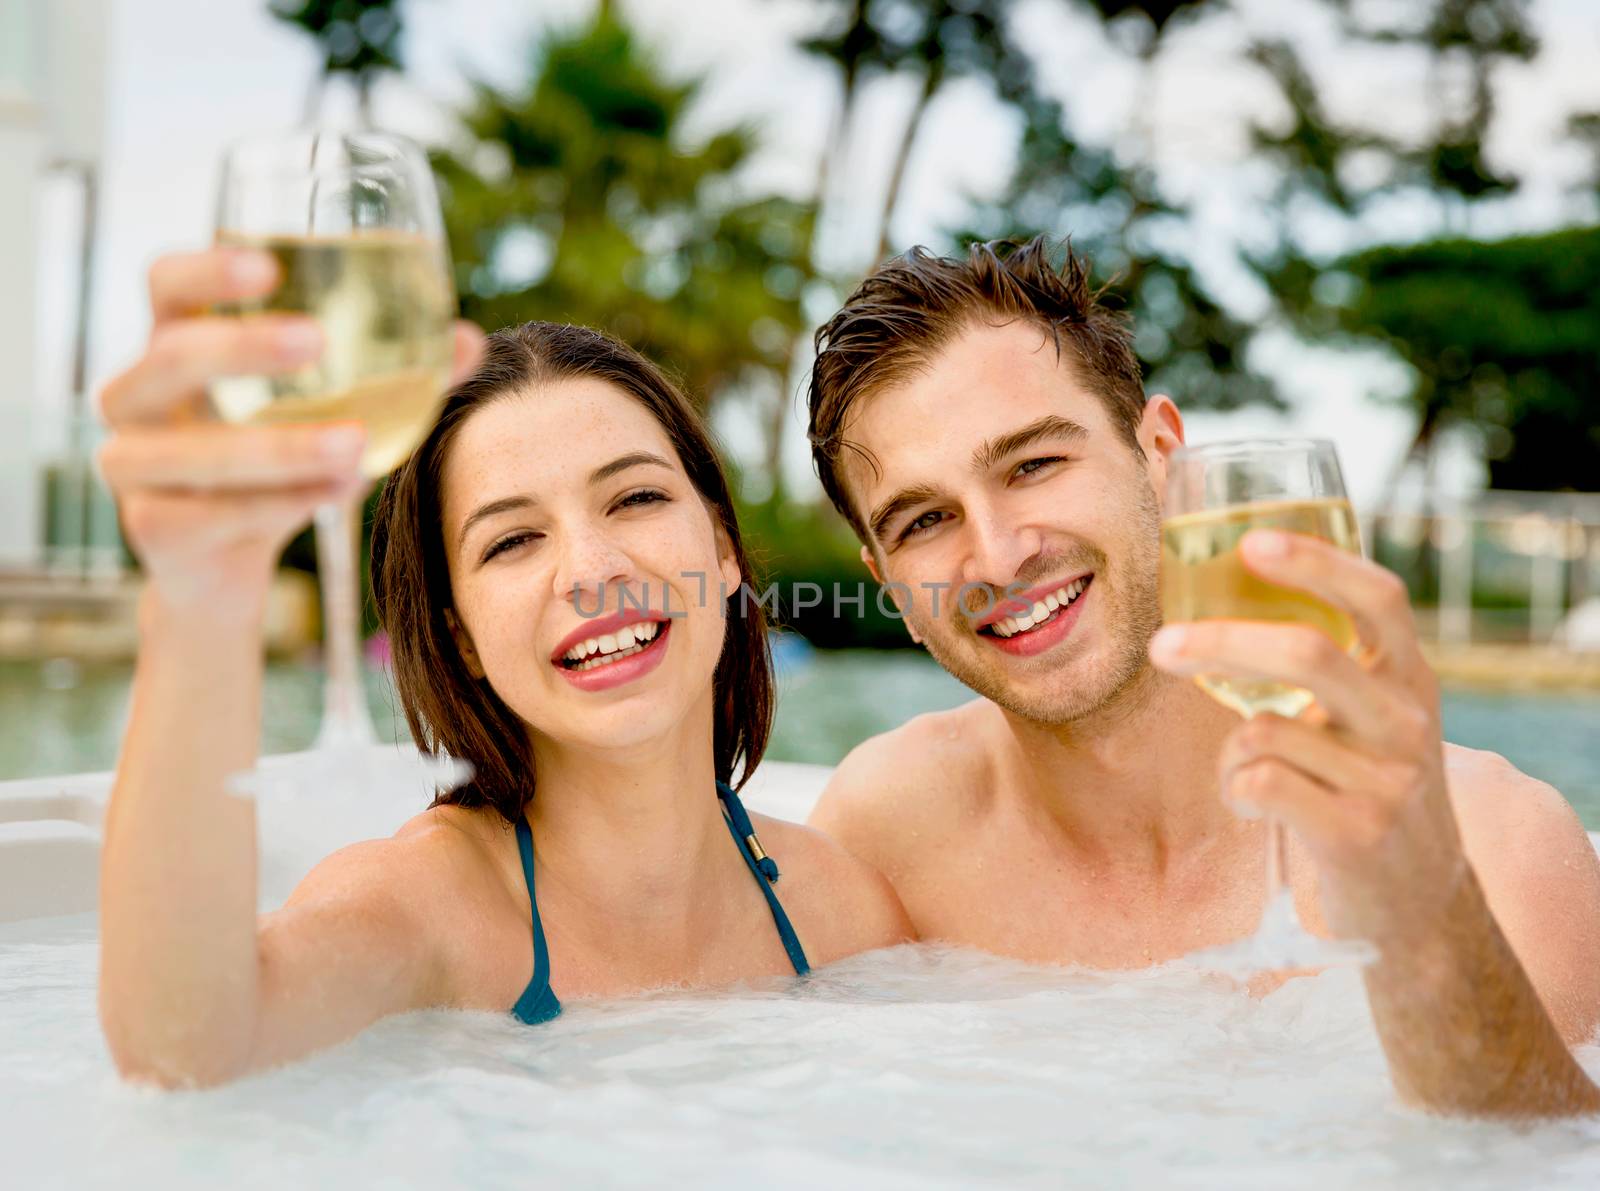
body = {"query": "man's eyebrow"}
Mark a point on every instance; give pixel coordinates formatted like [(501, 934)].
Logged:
[(902, 500), (605, 471), (1051, 426)]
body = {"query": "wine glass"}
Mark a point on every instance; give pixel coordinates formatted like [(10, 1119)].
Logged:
[(352, 218), (1215, 495)]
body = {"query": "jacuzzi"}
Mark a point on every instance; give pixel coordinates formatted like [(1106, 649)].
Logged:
[(915, 1067)]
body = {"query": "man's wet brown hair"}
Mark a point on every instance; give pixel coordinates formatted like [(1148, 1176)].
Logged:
[(446, 708), (913, 305)]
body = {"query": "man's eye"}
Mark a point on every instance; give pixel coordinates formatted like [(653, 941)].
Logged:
[(507, 543), (921, 525), (1029, 466)]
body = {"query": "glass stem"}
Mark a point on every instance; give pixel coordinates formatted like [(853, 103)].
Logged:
[(345, 720), (1277, 860)]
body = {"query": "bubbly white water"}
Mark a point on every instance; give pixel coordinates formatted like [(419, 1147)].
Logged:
[(916, 1067)]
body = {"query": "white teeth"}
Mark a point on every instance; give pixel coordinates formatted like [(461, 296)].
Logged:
[(591, 663), (1043, 610), (624, 641)]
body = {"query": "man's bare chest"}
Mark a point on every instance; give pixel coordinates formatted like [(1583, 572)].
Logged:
[(1014, 895)]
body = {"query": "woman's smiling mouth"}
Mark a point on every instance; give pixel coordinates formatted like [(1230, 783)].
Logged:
[(613, 650), (611, 647)]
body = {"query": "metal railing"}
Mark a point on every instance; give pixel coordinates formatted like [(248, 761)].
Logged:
[(1541, 547)]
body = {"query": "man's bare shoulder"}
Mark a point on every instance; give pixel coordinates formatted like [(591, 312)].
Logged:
[(913, 778), (1497, 805), (1540, 875)]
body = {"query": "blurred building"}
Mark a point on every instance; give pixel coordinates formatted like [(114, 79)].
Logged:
[(52, 117)]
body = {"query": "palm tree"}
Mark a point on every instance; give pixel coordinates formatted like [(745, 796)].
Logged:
[(577, 196), (358, 39)]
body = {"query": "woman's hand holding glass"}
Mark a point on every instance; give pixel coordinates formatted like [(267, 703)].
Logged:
[(208, 507)]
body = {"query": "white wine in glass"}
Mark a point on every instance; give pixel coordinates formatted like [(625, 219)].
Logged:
[(1204, 578), (353, 220), (1215, 495), (386, 305)]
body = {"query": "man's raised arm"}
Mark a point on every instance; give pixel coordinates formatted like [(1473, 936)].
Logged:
[(1363, 780)]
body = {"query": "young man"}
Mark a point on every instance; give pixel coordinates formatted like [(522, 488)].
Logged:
[(983, 426)]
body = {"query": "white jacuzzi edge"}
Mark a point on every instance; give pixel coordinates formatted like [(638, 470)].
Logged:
[(50, 831)]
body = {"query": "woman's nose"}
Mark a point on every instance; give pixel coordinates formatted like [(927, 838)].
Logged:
[(593, 570)]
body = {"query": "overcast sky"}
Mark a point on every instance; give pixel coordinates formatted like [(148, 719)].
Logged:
[(188, 75)]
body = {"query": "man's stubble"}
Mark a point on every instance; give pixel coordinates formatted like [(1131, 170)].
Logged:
[(1129, 611)]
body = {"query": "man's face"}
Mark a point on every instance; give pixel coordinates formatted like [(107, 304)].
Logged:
[(1002, 485)]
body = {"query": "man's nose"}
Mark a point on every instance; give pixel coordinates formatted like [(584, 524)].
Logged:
[(997, 548)]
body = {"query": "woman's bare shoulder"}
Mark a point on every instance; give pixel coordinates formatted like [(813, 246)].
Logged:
[(443, 866), (840, 904), (445, 878)]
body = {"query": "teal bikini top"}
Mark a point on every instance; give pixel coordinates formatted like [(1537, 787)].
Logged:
[(538, 1003)]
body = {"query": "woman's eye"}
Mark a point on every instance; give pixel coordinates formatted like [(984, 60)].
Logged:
[(643, 497), (507, 543)]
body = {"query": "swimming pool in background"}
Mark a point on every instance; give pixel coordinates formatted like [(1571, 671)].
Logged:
[(66, 718)]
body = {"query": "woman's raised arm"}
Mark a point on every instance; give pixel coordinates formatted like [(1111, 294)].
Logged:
[(186, 976)]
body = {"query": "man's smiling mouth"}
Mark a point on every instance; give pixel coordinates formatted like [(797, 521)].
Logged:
[(1043, 612)]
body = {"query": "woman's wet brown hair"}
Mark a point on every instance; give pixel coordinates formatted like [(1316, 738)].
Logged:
[(450, 711)]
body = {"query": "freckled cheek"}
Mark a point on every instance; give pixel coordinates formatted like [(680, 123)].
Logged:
[(503, 622), (684, 558)]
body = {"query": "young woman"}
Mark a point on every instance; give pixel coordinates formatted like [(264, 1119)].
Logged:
[(567, 500)]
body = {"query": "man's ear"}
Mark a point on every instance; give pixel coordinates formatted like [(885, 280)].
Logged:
[(872, 569), (872, 564), (1160, 433), (464, 646)]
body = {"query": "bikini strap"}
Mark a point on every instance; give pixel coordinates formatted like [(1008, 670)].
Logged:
[(765, 870), (745, 833), (541, 954)]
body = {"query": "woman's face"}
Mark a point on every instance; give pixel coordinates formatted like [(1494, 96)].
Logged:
[(587, 572)]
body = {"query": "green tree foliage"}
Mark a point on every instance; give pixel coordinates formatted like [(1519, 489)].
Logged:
[(1463, 42), (1503, 337), (1113, 211), (359, 39), (576, 197), (1500, 335)]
